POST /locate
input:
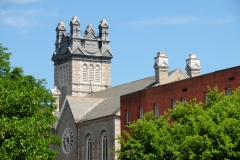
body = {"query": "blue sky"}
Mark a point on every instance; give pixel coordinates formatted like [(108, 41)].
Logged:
[(138, 30)]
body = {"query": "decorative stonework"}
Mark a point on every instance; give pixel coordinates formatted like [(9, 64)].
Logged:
[(67, 140), (82, 63)]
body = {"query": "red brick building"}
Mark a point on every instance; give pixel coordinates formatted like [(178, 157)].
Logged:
[(163, 97)]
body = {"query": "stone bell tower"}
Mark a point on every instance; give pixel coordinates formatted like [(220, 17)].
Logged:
[(82, 63)]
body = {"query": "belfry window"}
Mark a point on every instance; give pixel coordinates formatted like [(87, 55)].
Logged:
[(104, 148), (97, 74), (63, 74), (85, 73), (91, 73)]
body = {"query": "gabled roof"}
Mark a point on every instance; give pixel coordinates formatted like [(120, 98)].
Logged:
[(80, 106), (104, 103), (107, 53), (111, 104), (77, 51), (174, 72)]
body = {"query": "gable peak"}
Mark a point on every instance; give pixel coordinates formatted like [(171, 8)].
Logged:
[(89, 29)]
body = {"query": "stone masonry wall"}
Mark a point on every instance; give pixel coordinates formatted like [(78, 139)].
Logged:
[(95, 130)]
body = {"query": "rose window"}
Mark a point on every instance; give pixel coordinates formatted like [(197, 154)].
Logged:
[(67, 140)]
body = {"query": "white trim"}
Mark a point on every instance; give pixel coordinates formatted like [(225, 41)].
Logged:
[(178, 71)]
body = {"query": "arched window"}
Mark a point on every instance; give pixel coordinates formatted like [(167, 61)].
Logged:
[(156, 110), (89, 149), (104, 148), (174, 103), (90, 71), (85, 73), (97, 74)]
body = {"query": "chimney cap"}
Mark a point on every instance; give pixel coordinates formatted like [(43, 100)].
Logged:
[(161, 54), (192, 55)]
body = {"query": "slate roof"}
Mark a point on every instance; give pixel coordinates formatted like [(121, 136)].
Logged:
[(106, 102), (80, 106)]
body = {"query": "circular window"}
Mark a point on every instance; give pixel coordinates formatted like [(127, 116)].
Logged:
[(67, 140)]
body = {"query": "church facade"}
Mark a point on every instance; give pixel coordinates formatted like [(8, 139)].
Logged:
[(88, 107)]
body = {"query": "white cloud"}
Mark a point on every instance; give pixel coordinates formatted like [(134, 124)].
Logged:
[(181, 20), (19, 18), (221, 21), (20, 1), (165, 21)]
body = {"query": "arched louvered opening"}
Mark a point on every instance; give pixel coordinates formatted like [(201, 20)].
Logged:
[(85, 73), (91, 71), (97, 74)]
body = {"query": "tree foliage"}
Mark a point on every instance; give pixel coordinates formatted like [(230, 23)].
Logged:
[(26, 116), (188, 131)]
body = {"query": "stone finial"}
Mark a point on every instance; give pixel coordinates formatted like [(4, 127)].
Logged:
[(74, 20), (103, 24), (193, 66), (161, 68), (61, 26), (56, 94), (89, 29), (55, 91)]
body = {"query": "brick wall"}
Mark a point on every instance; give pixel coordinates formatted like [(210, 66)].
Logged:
[(195, 87)]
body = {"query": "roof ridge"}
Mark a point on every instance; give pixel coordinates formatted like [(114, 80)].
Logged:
[(124, 84)]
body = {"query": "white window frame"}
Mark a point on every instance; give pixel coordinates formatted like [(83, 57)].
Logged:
[(184, 100), (228, 91), (174, 103), (156, 110), (140, 112), (127, 117)]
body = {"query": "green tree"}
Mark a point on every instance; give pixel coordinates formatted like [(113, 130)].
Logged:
[(26, 116), (187, 132)]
